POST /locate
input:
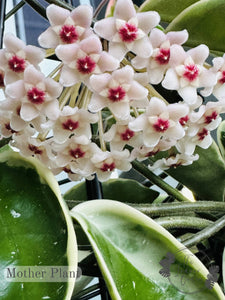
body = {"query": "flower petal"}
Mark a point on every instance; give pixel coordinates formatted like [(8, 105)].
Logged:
[(106, 28), (124, 10), (118, 50), (143, 47), (171, 81), (57, 15), (82, 15), (148, 20), (28, 112)]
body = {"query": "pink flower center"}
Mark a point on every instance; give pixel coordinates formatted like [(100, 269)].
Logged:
[(2, 79), (191, 72), (163, 56), (36, 96), (17, 64), (161, 125), (184, 120), (151, 153), (108, 167), (127, 135), (222, 78), (77, 153), (18, 109), (210, 118), (68, 34), (8, 127), (70, 125), (128, 33), (202, 134), (67, 170), (116, 94), (85, 65), (35, 149)]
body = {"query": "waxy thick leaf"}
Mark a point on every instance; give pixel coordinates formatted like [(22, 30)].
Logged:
[(35, 228), (138, 258), (206, 176), (204, 22), (221, 138), (124, 190), (168, 9)]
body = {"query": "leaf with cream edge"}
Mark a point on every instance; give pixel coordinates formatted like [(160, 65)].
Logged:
[(205, 24), (168, 9), (223, 266), (35, 227), (130, 249)]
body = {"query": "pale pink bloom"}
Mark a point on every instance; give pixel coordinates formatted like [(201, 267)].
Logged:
[(158, 62), (174, 161), (76, 153), (127, 30), (71, 175), (71, 121), (66, 27), (31, 146), (120, 135), (202, 138), (218, 88), (84, 59), (187, 72), (38, 95), (208, 115), (143, 152), (160, 121), (16, 56), (106, 162), (16, 122), (117, 91), (5, 127)]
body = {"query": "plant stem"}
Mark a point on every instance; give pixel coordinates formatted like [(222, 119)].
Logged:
[(99, 8), (172, 209), (181, 222), (101, 131), (142, 169), (205, 233), (2, 20), (178, 208)]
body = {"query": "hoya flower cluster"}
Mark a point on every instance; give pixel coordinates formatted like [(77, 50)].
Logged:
[(98, 111)]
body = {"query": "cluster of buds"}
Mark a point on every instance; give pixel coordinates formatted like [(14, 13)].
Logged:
[(98, 110)]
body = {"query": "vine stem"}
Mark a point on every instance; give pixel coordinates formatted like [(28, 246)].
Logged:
[(178, 208), (205, 233), (143, 170), (181, 222), (99, 8)]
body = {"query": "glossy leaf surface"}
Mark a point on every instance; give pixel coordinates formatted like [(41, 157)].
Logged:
[(138, 258), (168, 9), (206, 176), (124, 190), (204, 22), (35, 228)]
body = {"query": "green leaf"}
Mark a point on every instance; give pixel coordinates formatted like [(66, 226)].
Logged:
[(223, 266), (221, 138), (131, 248), (168, 9), (205, 23), (206, 176), (35, 228), (124, 190)]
